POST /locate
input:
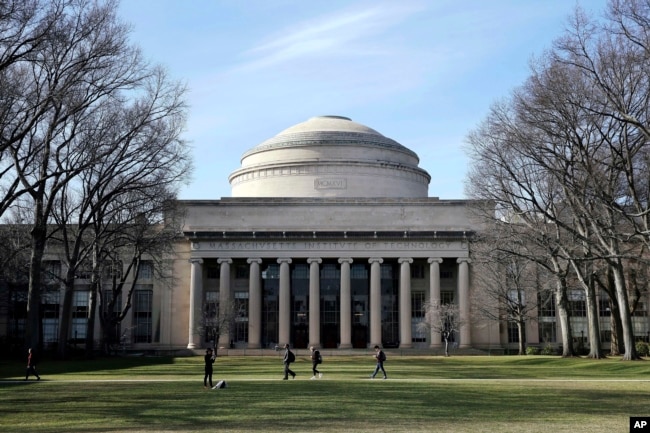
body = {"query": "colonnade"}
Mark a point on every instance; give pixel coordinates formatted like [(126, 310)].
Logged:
[(284, 300)]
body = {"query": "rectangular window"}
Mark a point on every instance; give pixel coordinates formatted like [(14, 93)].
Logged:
[(547, 331), (604, 309), (577, 303), (17, 313), (112, 270), (50, 307), (330, 271), (209, 321), (50, 304), (516, 297), (51, 271), (50, 330), (84, 271), (546, 304), (242, 272), (142, 313), (146, 270), (358, 271), (241, 317), (418, 333), (80, 302), (212, 272), (301, 271), (446, 275), (417, 271), (513, 332), (330, 312), (446, 298), (640, 310)]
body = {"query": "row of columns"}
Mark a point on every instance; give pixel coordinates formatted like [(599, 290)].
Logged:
[(284, 300)]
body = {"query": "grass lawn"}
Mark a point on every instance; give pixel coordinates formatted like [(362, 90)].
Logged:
[(422, 394)]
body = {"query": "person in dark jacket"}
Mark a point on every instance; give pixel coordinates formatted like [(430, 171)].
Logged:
[(380, 357), (31, 365), (209, 359), (289, 357), (315, 360)]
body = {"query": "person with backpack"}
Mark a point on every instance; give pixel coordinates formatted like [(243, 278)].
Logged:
[(380, 356), (31, 365), (316, 359), (289, 357)]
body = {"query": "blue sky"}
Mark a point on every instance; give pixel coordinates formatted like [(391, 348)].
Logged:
[(422, 72)]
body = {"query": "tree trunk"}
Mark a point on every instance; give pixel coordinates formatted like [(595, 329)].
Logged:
[(565, 324), (33, 331), (624, 309), (92, 304), (595, 349), (66, 312), (521, 329)]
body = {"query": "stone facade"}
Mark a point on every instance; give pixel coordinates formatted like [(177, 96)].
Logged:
[(330, 240)]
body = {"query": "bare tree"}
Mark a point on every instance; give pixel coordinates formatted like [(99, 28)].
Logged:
[(118, 206), (444, 319), (84, 60), (509, 280), (216, 320), (25, 28), (80, 98), (577, 125)]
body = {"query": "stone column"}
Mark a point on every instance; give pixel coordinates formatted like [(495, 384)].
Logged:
[(434, 301), (314, 301), (284, 301), (346, 305), (463, 302), (196, 296), (254, 304), (224, 299), (375, 301), (405, 313)]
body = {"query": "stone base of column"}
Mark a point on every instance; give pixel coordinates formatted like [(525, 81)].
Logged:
[(254, 346), (191, 346), (406, 346), (435, 346)]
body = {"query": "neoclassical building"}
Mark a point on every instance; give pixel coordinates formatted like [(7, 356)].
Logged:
[(329, 239)]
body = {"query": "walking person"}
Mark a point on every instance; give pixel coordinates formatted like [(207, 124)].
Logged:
[(209, 359), (315, 360), (289, 357), (31, 365), (380, 356)]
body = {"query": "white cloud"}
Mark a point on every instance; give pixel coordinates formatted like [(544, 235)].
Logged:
[(350, 32)]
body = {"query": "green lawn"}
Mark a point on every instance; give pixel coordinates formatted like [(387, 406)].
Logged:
[(456, 394)]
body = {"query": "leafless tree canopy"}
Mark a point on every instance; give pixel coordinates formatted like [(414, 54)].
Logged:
[(91, 134), (565, 157)]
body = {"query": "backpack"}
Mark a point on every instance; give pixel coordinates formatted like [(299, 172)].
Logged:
[(382, 356), (319, 359), (291, 357)]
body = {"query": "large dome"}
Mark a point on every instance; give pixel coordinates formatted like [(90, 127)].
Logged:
[(329, 156)]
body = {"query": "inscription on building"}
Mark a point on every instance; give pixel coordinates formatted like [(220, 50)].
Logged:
[(329, 246), (331, 183)]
